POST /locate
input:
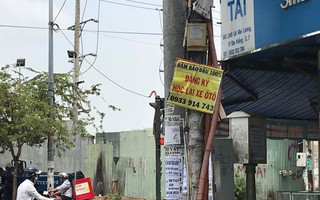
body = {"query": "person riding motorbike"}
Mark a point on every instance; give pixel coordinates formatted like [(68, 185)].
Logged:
[(26, 190), (64, 190)]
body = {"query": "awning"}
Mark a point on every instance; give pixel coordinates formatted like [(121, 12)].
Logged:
[(278, 82)]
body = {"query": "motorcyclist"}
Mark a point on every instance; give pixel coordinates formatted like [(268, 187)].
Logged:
[(64, 190), (26, 190)]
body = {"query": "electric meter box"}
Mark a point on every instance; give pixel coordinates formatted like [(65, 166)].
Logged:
[(249, 138), (196, 36), (301, 159)]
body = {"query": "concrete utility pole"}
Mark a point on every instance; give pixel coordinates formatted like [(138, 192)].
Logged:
[(174, 13), (76, 65), (195, 146), (173, 35), (195, 120), (51, 148)]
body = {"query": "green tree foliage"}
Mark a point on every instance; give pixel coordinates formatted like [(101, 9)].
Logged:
[(26, 118)]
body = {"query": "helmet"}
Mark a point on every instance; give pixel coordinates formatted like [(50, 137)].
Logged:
[(64, 175), (32, 170)]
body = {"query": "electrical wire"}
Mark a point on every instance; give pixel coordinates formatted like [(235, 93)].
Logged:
[(67, 38), (120, 86), (123, 4), (92, 66), (84, 10), (161, 71), (97, 42), (59, 10), (161, 25), (142, 42), (128, 32), (69, 43), (26, 27), (98, 31), (161, 45), (81, 38), (45, 28), (161, 48), (150, 4)]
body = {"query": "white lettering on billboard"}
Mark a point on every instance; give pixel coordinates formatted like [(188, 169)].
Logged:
[(288, 3)]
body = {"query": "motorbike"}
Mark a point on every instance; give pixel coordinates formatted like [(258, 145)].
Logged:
[(52, 197)]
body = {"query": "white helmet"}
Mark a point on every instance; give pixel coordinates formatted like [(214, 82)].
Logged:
[(63, 175)]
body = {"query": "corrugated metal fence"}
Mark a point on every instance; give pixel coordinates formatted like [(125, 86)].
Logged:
[(123, 162)]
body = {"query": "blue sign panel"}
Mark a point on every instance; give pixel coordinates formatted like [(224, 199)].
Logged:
[(279, 21), (252, 24)]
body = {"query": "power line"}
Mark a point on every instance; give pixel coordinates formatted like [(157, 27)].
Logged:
[(95, 31), (142, 42), (97, 37), (123, 4), (67, 38), (128, 32), (131, 33), (131, 91), (84, 10), (60, 10), (97, 42), (117, 84), (150, 4), (161, 25), (26, 27), (160, 71), (83, 13)]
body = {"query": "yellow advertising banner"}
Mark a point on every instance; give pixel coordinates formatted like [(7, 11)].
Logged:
[(194, 86)]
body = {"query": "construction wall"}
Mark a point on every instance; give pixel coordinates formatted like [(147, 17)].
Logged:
[(71, 160), (99, 167), (124, 162), (128, 163)]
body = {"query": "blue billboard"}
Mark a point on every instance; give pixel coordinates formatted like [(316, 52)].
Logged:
[(248, 25)]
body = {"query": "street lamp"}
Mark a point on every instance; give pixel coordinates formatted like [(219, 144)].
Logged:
[(71, 54), (21, 62)]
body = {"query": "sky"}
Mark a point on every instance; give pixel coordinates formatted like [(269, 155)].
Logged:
[(128, 48)]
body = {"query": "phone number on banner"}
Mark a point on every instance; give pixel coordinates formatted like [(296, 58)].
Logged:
[(191, 104)]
